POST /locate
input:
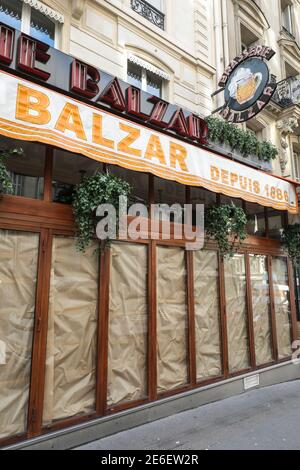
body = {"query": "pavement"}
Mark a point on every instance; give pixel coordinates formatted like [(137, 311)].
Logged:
[(264, 419)]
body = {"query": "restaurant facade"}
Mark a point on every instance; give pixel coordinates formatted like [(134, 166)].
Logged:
[(86, 338)]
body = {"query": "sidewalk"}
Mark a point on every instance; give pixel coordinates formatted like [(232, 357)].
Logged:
[(259, 420)]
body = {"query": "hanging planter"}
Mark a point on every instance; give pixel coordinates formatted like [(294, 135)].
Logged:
[(6, 186), (291, 243), (226, 224), (245, 142), (88, 196)]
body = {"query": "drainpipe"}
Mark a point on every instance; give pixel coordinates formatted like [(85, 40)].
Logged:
[(225, 32), (218, 45)]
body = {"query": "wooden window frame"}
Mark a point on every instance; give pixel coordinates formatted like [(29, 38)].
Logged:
[(50, 219)]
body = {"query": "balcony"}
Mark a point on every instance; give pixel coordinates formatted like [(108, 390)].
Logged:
[(149, 12), (287, 93)]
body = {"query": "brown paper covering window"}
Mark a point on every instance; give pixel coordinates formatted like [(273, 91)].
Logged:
[(172, 319), (236, 312), (261, 309), (72, 331), (18, 273), (282, 307), (207, 312), (128, 324)]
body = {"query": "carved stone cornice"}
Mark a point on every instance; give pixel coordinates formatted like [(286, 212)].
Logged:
[(274, 109)]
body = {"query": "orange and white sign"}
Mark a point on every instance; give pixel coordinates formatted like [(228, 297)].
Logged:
[(32, 112)]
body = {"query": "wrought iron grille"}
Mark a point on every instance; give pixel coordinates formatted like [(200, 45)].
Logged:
[(288, 92), (149, 12)]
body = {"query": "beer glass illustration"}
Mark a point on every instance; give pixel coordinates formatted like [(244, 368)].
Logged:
[(247, 86)]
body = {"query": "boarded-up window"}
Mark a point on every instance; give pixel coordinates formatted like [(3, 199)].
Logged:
[(172, 319), (282, 307), (261, 309), (72, 331), (236, 310), (128, 324), (207, 311), (18, 273)]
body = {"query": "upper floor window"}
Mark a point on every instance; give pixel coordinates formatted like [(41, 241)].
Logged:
[(11, 12), (152, 10), (158, 4), (257, 128), (290, 71), (287, 16), (297, 166), (148, 78), (248, 38), (42, 26)]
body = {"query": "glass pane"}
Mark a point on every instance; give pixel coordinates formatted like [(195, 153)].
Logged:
[(26, 170), (169, 192), (134, 75), (128, 324), (226, 200), (42, 28), (70, 384), (11, 13), (156, 3), (138, 181), (172, 319), (282, 307), (18, 277), (275, 223), (261, 309), (69, 169), (297, 289), (236, 309), (207, 311), (203, 196), (154, 84), (256, 220)]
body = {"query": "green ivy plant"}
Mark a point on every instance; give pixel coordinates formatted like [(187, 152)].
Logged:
[(246, 142), (291, 243), (6, 186), (226, 224), (88, 195)]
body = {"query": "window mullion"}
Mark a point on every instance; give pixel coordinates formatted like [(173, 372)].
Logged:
[(144, 79), (57, 37), (26, 16)]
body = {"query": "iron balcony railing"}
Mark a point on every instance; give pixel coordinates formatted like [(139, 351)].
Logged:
[(149, 12), (288, 92)]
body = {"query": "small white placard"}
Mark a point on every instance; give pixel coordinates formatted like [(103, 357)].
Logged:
[(251, 382), (2, 353)]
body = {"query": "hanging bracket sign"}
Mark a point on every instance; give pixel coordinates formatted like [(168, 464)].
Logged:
[(248, 85)]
